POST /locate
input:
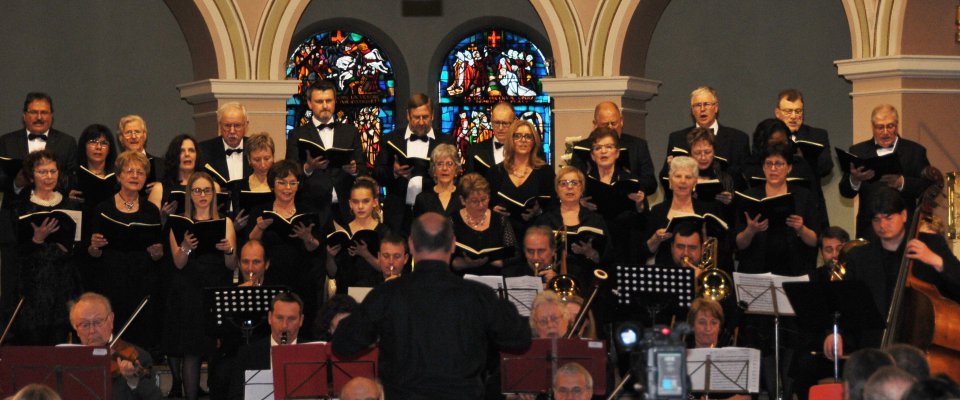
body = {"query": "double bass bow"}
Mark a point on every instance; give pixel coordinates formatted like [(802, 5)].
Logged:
[(919, 314)]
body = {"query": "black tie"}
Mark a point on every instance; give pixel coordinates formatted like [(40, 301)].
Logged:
[(36, 136), (497, 145), (418, 137), (329, 125), (231, 152)]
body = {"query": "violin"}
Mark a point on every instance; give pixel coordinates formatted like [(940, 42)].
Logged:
[(123, 351)]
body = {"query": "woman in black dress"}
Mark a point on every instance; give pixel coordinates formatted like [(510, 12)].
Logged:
[(96, 156), (128, 270), (185, 338), (295, 261), (48, 275), (356, 265), (443, 198), (179, 162), (522, 175), (260, 151), (479, 228), (625, 223), (132, 131)]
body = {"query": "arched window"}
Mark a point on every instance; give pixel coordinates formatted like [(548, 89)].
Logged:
[(485, 68), (364, 78)]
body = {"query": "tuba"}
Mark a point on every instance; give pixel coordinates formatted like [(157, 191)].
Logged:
[(838, 266), (713, 283), (563, 284)]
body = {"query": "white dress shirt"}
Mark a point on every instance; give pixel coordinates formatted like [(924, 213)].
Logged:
[(234, 162), (416, 148)]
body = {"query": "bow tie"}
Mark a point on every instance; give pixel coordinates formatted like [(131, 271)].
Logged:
[(879, 147), (424, 138), (231, 152), (36, 136), (329, 125), (497, 145)]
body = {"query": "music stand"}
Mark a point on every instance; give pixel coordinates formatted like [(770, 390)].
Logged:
[(312, 370), (658, 288), (724, 370), (234, 307), (75, 372), (533, 370), (846, 304)]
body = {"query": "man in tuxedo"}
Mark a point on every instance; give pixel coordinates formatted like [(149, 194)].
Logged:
[(402, 182), (732, 145), (35, 135), (633, 150), (482, 156), (434, 329), (790, 110), (886, 140), (285, 318), (224, 154), (324, 185), (92, 317)]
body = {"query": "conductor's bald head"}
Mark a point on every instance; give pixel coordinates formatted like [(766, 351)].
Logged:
[(431, 237)]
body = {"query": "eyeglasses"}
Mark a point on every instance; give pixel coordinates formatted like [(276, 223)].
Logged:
[(287, 184), (553, 319), (478, 201), (38, 113), (576, 390), (524, 137), (445, 164), (703, 104), (135, 172), (133, 132), (98, 143), (86, 325), (501, 124), (569, 183), (888, 127), (45, 172), (602, 147), (202, 191), (232, 127), (795, 111), (774, 164)]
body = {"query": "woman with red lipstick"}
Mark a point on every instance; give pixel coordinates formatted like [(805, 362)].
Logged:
[(48, 276), (522, 175), (198, 265)]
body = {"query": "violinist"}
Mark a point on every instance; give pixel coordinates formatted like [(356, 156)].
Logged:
[(92, 317), (878, 263)]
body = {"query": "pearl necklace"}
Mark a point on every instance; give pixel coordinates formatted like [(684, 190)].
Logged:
[(475, 223)]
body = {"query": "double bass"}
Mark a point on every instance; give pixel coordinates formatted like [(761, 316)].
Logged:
[(919, 314)]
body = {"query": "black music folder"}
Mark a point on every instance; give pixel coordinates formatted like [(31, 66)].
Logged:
[(128, 236), (68, 220), (716, 226), (344, 239), (584, 234), (338, 157), (776, 209), (284, 227), (419, 166), (492, 253), (208, 233), (95, 188), (612, 199), (517, 207), (250, 200), (880, 165)]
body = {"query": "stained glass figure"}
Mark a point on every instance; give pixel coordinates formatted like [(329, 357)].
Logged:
[(364, 79), (488, 67)]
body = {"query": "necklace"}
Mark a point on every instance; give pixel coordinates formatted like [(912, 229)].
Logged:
[(475, 223), (520, 173), (55, 199), (128, 204)]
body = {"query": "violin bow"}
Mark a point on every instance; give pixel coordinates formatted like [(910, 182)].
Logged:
[(10, 322), (143, 303)]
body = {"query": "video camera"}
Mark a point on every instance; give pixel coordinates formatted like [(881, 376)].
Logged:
[(658, 359)]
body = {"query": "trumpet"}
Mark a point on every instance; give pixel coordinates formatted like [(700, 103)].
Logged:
[(713, 283), (838, 266)]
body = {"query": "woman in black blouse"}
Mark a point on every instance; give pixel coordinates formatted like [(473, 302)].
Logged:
[(479, 228), (761, 247), (48, 275), (357, 266), (443, 199), (128, 273), (521, 175), (132, 131), (180, 161)]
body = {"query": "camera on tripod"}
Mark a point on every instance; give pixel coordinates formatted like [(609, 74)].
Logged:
[(658, 359)]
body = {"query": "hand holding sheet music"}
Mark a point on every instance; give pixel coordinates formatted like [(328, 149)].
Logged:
[(764, 292)]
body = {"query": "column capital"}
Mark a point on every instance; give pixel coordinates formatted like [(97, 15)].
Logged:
[(211, 90), (630, 87)]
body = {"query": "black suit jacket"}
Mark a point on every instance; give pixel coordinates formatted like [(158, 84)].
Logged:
[(316, 188), (913, 159), (483, 151), (638, 153), (396, 214), (730, 143), (824, 163), (216, 156)]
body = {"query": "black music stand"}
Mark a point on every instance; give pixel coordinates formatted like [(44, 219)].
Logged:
[(533, 371), (658, 288), (845, 304), (75, 372), (235, 307), (312, 370)]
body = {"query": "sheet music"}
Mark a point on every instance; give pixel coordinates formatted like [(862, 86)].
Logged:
[(77, 217), (258, 384), (358, 292), (521, 290), (732, 369), (755, 290)]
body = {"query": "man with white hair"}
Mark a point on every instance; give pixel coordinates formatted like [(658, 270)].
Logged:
[(225, 153)]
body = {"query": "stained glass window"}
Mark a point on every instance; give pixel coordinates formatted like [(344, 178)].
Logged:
[(363, 75), (488, 67)]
